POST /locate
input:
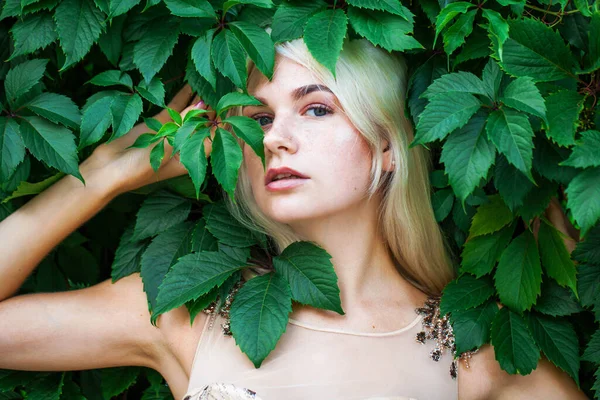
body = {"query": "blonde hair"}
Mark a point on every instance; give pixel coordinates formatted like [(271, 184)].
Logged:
[(370, 84)]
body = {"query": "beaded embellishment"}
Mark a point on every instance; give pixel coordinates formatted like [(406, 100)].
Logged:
[(222, 391), (438, 328), (213, 309)]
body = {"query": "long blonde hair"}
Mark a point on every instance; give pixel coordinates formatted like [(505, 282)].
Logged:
[(371, 87)]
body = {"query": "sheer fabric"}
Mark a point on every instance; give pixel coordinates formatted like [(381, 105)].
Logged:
[(311, 362)]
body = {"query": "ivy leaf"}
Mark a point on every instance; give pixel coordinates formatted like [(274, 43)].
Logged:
[(51, 143), (259, 315), (515, 349), (157, 154), (159, 212), (585, 152), (193, 158), (533, 49), (12, 149), (290, 18), (155, 47), (492, 77), (235, 99), (95, 120), (23, 77), (519, 273), (444, 113), (229, 57), (258, 3), (195, 307), (390, 6), (310, 274), (448, 13), (512, 185), (420, 81), (154, 91), (442, 201), (455, 36), (324, 36), (556, 300), (583, 198), (118, 7), (547, 158), (558, 340), (128, 256), (226, 159), (497, 29), (111, 42), (257, 43), (511, 133), (537, 200), (383, 29), (588, 250), (112, 78), (592, 59), (522, 94), (480, 253), (250, 132), (592, 351), (459, 82), (125, 111), (202, 239), (478, 46), (185, 131), (466, 292), (490, 217), (191, 9), (78, 24), (467, 156), (564, 108), (472, 327), (116, 380), (226, 228), (192, 276), (32, 33), (555, 257), (57, 108), (202, 58)]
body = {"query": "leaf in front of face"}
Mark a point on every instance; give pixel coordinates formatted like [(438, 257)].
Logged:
[(226, 228), (558, 340), (522, 94), (95, 120), (250, 132), (202, 59), (490, 217), (226, 159), (390, 6), (585, 152), (557, 300), (155, 47), (515, 349), (310, 274), (125, 110), (191, 8), (32, 33), (511, 133), (192, 276), (472, 327), (564, 108), (290, 18), (235, 99), (466, 292), (12, 149), (512, 185), (51, 143), (258, 44), (454, 37), (448, 13), (128, 256), (324, 34), (23, 77), (383, 29), (154, 91), (519, 273), (480, 253), (112, 77), (555, 256), (159, 212), (57, 108), (78, 24), (259, 315), (193, 158), (229, 57), (583, 198)]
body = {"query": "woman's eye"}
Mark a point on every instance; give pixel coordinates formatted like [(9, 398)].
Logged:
[(263, 120), (318, 111)]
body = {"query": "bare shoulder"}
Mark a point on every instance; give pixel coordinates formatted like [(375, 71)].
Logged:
[(484, 379)]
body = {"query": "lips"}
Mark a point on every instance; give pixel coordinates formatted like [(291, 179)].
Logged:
[(282, 173)]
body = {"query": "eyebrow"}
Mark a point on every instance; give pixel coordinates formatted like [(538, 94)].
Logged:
[(302, 91)]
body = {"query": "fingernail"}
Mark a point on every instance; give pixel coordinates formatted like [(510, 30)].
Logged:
[(199, 104)]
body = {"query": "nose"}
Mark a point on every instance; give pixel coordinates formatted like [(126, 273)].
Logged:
[(280, 138)]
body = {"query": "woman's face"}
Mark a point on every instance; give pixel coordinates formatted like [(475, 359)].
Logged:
[(317, 163)]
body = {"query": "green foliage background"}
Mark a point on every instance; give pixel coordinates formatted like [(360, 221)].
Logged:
[(503, 92)]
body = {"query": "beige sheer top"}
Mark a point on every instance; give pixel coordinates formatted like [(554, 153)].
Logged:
[(311, 362)]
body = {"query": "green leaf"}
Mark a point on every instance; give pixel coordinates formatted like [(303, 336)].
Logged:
[(455, 36), (118, 7), (154, 91), (480, 253), (111, 42), (445, 113), (195, 307), (10, 8), (546, 159), (466, 292), (226, 159), (257, 43), (537, 200), (511, 133), (175, 116), (193, 276), (490, 217), (555, 256), (202, 59), (157, 154), (588, 250), (522, 94), (592, 59), (310, 274), (128, 257), (78, 24), (144, 140), (558, 340), (125, 111), (250, 132), (27, 189), (117, 380), (448, 13), (23, 77), (492, 77), (583, 198), (533, 49), (324, 36), (202, 239), (229, 57), (592, 351), (585, 153), (235, 99), (155, 47), (564, 108), (556, 300), (51, 143), (515, 349), (193, 157), (32, 33), (459, 82), (95, 120), (512, 185), (467, 156), (159, 212), (259, 315), (519, 273), (258, 3), (442, 201), (383, 29), (57, 108), (390, 6), (184, 132), (12, 149), (290, 18), (497, 30), (226, 228), (191, 8), (478, 46), (111, 78), (472, 327)]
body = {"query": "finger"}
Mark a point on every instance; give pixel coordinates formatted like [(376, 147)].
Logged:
[(178, 103)]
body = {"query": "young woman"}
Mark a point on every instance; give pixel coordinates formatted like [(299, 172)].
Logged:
[(338, 173)]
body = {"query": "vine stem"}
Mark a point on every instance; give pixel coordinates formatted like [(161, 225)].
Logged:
[(557, 13)]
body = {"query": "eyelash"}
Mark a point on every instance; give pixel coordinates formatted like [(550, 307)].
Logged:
[(329, 110)]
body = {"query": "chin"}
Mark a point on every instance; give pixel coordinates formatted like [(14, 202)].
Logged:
[(287, 210)]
